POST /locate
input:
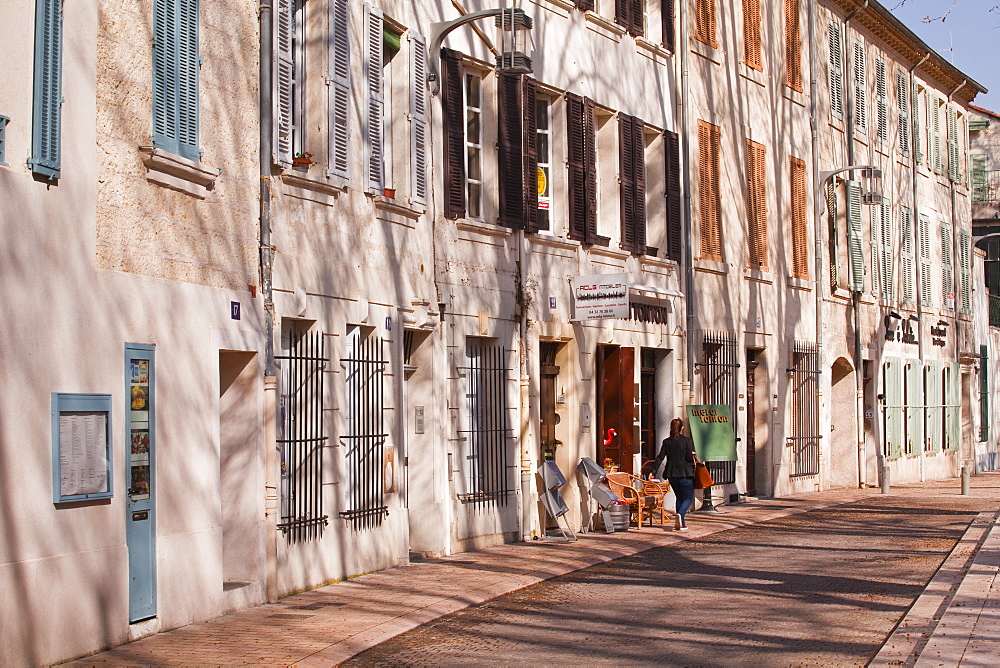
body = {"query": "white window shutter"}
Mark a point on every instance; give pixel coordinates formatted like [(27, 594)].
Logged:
[(855, 252), (903, 107), (373, 80), (947, 272), (339, 83), (860, 88), (924, 234), (418, 118), (885, 259), (881, 101), (906, 244), (284, 73), (965, 266), (836, 72)]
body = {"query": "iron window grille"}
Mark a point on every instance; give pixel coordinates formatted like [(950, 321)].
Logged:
[(805, 437), (302, 437), (718, 382), (365, 434), (488, 457)]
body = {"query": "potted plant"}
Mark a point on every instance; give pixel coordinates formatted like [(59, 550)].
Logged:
[(302, 160)]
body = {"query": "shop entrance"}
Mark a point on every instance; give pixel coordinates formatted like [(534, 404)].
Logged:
[(616, 406), (547, 397)]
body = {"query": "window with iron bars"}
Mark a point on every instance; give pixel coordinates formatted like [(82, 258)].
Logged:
[(718, 382), (302, 436), (364, 428), (487, 453), (804, 379)]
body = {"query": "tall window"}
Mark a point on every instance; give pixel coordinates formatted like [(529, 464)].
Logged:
[(673, 192), (860, 88), (751, 34), (757, 204), (175, 77), (718, 372), (631, 15), (543, 142), (793, 45), (289, 80), (488, 457), (704, 22), (474, 144), (913, 390), (364, 428), (518, 155), (800, 218), (46, 123), (934, 161), (709, 190), (893, 408), (954, 146), (804, 440)]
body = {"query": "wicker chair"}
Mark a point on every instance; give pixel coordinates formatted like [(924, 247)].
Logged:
[(644, 497)]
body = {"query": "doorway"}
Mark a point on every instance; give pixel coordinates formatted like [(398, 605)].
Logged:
[(751, 454), (616, 406), (548, 418), (843, 426)]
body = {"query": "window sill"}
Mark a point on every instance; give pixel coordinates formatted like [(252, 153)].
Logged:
[(604, 27), (654, 52), (750, 74), (796, 96), (483, 228), (400, 208), (546, 239), (560, 7), (607, 251), (706, 51), (177, 173), (648, 262), (303, 187), (800, 283), (711, 266), (758, 275), (837, 123)]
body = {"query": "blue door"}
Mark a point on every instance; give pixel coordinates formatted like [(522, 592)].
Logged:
[(140, 504)]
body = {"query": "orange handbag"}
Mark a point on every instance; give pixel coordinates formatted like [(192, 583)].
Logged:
[(702, 478)]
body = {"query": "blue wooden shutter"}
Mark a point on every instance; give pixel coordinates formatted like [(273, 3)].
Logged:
[(45, 128), (175, 77), (340, 89)]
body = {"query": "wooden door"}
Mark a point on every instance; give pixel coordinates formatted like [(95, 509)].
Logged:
[(617, 407)]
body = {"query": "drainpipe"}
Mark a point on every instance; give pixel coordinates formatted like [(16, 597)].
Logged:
[(683, 105), (915, 111), (271, 502), (523, 388)]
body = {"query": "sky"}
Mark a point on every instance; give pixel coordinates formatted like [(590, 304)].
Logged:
[(968, 37)]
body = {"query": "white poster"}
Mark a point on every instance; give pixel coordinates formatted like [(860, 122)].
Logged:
[(83, 449), (600, 296)]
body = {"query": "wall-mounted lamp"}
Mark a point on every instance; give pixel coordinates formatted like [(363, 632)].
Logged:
[(893, 314), (871, 185), (943, 323), (914, 318)]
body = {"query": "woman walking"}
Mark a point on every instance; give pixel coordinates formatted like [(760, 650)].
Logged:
[(677, 453)]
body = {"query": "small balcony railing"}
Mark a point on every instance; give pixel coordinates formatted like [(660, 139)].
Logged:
[(994, 310), (985, 185)]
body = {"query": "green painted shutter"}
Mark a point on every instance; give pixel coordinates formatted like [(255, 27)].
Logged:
[(947, 272), (339, 82), (175, 77), (914, 407), (284, 81), (984, 394), (934, 402), (46, 122), (979, 162), (954, 157), (881, 101), (831, 209), (953, 398), (885, 247), (964, 243), (418, 119), (924, 252), (906, 255), (892, 389), (836, 67), (903, 108), (860, 88), (855, 251), (934, 134), (373, 77)]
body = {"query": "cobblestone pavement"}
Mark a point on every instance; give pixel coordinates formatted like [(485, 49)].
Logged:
[(825, 587)]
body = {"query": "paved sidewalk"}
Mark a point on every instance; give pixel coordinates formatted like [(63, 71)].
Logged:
[(328, 625)]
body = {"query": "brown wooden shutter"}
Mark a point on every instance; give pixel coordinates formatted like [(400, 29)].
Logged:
[(632, 156), (704, 22), (636, 24), (675, 232), (511, 155), (529, 97), (585, 5), (751, 34), (623, 13), (757, 204), (708, 190), (582, 169), (667, 21), (453, 115), (793, 45), (800, 237)]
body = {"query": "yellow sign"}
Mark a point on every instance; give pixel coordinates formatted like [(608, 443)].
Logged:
[(541, 181)]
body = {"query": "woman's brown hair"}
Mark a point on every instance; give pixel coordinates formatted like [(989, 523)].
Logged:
[(676, 427)]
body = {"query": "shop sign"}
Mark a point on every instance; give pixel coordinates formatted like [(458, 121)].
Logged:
[(712, 431), (600, 296)]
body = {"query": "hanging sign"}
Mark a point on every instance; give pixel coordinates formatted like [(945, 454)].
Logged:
[(600, 296), (712, 431)]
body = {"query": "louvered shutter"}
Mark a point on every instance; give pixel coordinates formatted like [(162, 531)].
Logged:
[(836, 67), (831, 209), (947, 271), (984, 393), (892, 388), (855, 251), (924, 251), (626, 178), (860, 88), (954, 157), (46, 119), (636, 25), (704, 20), (511, 155), (667, 22), (189, 64), (708, 190), (581, 168), (793, 45), (673, 178), (918, 153), (175, 77), (934, 140), (906, 254), (529, 98), (903, 110), (885, 247), (339, 83), (978, 177), (585, 5), (639, 169), (881, 101), (590, 162), (751, 34), (953, 398), (373, 79), (418, 119), (623, 13), (934, 403), (284, 77), (800, 226), (964, 242), (453, 117), (914, 407), (757, 204)]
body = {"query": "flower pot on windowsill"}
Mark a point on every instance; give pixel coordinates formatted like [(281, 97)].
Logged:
[(301, 162), (389, 192)]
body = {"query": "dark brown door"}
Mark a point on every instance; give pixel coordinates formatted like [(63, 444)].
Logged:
[(547, 398), (751, 423), (647, 404), (617, 406)]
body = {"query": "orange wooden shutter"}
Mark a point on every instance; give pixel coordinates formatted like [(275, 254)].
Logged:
[(800, 238), (708, 182), (757, 204), (793, 46), (751, 34)]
